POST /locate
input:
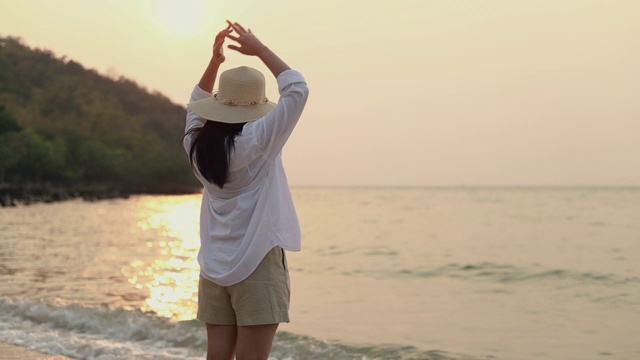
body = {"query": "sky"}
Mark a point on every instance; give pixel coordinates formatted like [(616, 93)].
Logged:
[(402, 93)]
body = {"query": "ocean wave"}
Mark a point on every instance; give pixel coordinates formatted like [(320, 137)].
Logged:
[(102, 333), (97, 333), (506, 273)]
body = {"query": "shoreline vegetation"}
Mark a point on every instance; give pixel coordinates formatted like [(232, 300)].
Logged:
[(27, 194), (69, 132)]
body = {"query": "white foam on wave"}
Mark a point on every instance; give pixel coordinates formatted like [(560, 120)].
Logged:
[(98, 333), (102, 333)]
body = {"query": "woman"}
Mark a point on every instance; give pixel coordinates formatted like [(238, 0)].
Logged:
[(234, 140)]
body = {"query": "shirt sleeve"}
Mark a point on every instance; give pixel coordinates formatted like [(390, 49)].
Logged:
[(193, 120), (273, 130)]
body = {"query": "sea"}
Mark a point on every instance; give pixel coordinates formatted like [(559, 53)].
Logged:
[(385, 273)]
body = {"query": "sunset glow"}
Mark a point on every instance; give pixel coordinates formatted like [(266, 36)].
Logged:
[(409, 93)]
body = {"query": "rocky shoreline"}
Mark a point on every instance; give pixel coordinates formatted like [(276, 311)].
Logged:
[(12, 195), (26, 195)]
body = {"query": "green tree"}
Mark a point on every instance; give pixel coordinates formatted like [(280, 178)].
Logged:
[(7, 122), (71, 126)]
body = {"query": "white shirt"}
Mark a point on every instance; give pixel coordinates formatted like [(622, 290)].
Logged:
[(254, 212)]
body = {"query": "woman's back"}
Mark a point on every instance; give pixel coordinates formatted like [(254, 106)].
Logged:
[(253, 211), (247, 217)]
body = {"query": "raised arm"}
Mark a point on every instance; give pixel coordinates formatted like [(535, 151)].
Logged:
[(208, 78), (250, 45)]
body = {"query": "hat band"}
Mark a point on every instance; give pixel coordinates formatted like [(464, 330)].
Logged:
[(239, 102)]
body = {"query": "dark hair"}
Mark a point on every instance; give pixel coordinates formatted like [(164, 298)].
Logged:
[(211, 149)]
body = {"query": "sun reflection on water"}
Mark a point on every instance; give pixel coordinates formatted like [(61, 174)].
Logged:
[(171, 279)]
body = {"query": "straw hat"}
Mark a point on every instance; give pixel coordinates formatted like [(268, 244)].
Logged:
[(240, 98)]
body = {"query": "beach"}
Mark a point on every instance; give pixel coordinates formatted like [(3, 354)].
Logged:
[(12, 352)]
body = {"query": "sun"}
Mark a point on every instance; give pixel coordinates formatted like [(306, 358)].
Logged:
[(181, 19)]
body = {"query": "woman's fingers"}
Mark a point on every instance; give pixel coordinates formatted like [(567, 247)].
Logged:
[(221, 36), (247, 42), (236, 27), (233, 47), (234, 38), (219, 39), (225, 32), (232, 25)]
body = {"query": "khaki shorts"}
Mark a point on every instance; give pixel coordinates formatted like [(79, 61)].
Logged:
[(262, 298)]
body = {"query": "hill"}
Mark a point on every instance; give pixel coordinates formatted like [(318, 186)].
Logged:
[(71, 131)]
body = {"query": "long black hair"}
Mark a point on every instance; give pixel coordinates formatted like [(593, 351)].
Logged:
[(211, 149)]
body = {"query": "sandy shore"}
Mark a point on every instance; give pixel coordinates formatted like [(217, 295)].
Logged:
[(12, 352)]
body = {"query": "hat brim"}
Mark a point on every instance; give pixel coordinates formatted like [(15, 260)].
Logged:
[(213, 110)]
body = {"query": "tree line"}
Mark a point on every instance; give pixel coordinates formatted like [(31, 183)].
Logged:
[(65, 126)]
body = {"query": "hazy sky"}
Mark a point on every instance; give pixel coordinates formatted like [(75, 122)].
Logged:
[(424, 92)]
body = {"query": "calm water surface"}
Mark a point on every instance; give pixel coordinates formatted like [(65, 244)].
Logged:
[(384, 273)]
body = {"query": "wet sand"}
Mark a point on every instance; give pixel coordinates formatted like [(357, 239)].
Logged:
[(13, 352)]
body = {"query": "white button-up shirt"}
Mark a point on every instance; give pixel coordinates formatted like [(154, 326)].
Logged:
[(254, 212)]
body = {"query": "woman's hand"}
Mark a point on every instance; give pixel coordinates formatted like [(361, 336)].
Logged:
[(249, 43), (218, 54), (208, 79)]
